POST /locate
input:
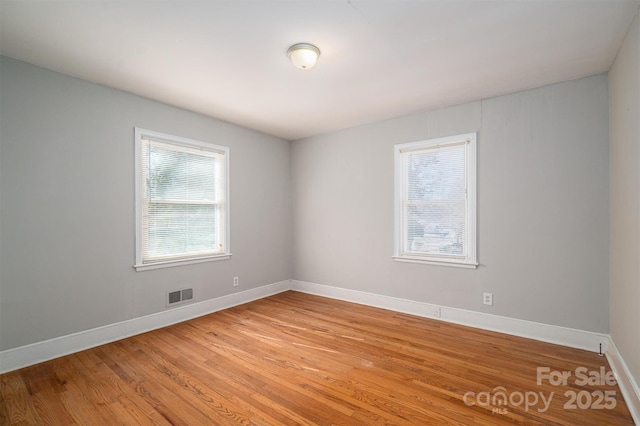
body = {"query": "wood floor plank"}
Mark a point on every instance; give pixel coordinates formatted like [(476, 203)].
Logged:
[(297, 359), (18, 406)]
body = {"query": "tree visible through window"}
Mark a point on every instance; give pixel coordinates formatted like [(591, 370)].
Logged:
[(435, 200), (182, 199)]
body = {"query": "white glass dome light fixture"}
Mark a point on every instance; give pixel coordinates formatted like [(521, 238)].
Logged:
[(303, 55)]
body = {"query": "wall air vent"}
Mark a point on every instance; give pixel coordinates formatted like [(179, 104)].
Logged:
[(179, 296)]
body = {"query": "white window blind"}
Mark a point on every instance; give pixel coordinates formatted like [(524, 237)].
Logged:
[(435, 200), (182, 199)]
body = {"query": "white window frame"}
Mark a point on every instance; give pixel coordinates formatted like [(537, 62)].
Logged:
[(140, 135), (469, 260)]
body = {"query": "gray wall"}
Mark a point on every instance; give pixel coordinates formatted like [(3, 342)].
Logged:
[(543, 207), (624, 78), (67, 210), (67, 219)]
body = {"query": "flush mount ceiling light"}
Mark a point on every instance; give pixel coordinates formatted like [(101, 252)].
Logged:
[(303, 55)]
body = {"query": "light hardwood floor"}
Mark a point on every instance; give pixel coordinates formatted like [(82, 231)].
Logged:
[(300, 359)]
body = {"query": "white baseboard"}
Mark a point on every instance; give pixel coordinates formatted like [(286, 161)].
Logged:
[(533, 330), (13, 359), (628, 385), (23, 356)]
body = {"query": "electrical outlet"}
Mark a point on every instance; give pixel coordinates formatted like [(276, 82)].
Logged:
[(435, 311), (487, 299), (236, 281)]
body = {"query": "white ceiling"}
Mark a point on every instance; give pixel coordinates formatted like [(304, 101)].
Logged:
[(380, 59)]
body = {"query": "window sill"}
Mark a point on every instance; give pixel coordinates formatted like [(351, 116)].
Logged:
[(450, 263), (170, 264)]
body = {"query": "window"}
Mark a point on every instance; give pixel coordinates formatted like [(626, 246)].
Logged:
[(182, 201), (435, 201)]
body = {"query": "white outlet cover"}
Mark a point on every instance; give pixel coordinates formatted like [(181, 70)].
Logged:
[(487, 299)]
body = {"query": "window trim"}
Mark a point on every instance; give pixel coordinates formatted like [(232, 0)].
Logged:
[(470, 260), (141, 134)]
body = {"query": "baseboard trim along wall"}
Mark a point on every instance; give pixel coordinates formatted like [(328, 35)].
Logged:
[(13, 359), (628, 386), (580, 339), (23, 356)]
